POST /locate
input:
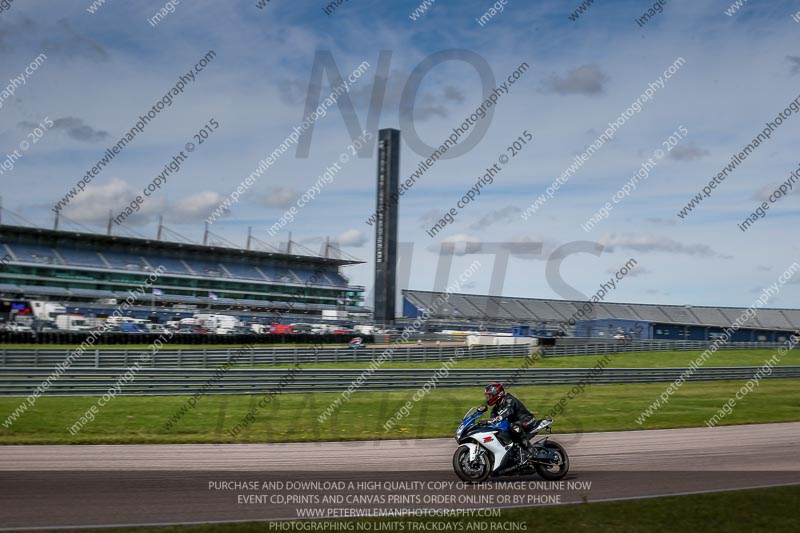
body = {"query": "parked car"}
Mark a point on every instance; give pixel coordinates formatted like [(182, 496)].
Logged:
[(278, 329), (129, 327)]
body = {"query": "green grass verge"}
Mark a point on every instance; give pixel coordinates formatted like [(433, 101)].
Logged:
[(769, 509), (293, 417), (620, 360)]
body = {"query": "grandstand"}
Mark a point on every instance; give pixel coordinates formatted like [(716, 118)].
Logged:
[(662, 321), (90, 273)]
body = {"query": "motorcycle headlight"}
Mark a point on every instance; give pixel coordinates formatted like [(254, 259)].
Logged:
[(459, 431)]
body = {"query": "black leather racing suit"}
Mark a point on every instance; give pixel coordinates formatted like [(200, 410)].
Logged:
[(519, 418)]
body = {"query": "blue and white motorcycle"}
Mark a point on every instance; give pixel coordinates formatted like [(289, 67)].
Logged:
[(488, 450)]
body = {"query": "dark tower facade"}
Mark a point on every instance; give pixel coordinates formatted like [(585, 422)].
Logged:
[(386, 225)]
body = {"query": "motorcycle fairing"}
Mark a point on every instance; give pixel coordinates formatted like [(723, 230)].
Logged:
[(489, 441)]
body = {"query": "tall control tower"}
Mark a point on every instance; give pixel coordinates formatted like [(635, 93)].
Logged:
[(386, 225)]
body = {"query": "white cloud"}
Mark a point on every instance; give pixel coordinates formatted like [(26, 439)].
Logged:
[(281, 197), (92, 206), (352, 237), (633, 272), (647, 243), (195, 207), (503, 215), (586, 80), (688, 152), (463, 244), (762, 194)]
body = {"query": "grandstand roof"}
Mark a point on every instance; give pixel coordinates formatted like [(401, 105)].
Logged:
[(524, 310), (84, 240)]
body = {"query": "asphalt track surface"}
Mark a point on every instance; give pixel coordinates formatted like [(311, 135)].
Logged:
[(84, 486)]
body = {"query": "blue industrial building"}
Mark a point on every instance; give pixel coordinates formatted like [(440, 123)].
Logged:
[(632, 321), (609, 328)]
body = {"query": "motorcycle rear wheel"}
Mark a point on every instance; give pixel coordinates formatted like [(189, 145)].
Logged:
[(557, 470), (476, 472)]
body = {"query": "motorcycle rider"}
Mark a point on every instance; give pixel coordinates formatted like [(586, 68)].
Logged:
[(506, 406)]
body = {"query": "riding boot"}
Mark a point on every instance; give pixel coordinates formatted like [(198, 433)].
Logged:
[(523, 455), (527, 449)]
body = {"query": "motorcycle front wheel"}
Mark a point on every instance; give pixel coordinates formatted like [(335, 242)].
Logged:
[(476, 471)]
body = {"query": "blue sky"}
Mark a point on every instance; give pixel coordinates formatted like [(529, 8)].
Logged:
[(105, 69)]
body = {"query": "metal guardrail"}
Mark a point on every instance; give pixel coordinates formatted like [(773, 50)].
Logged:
[(599, 348), (210, 357), (181, 381)]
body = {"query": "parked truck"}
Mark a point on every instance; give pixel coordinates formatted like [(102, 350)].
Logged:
[(73, 323), (219, 324), (47, 310)]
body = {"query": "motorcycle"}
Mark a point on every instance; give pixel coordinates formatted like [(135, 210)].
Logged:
[(487, 449)]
